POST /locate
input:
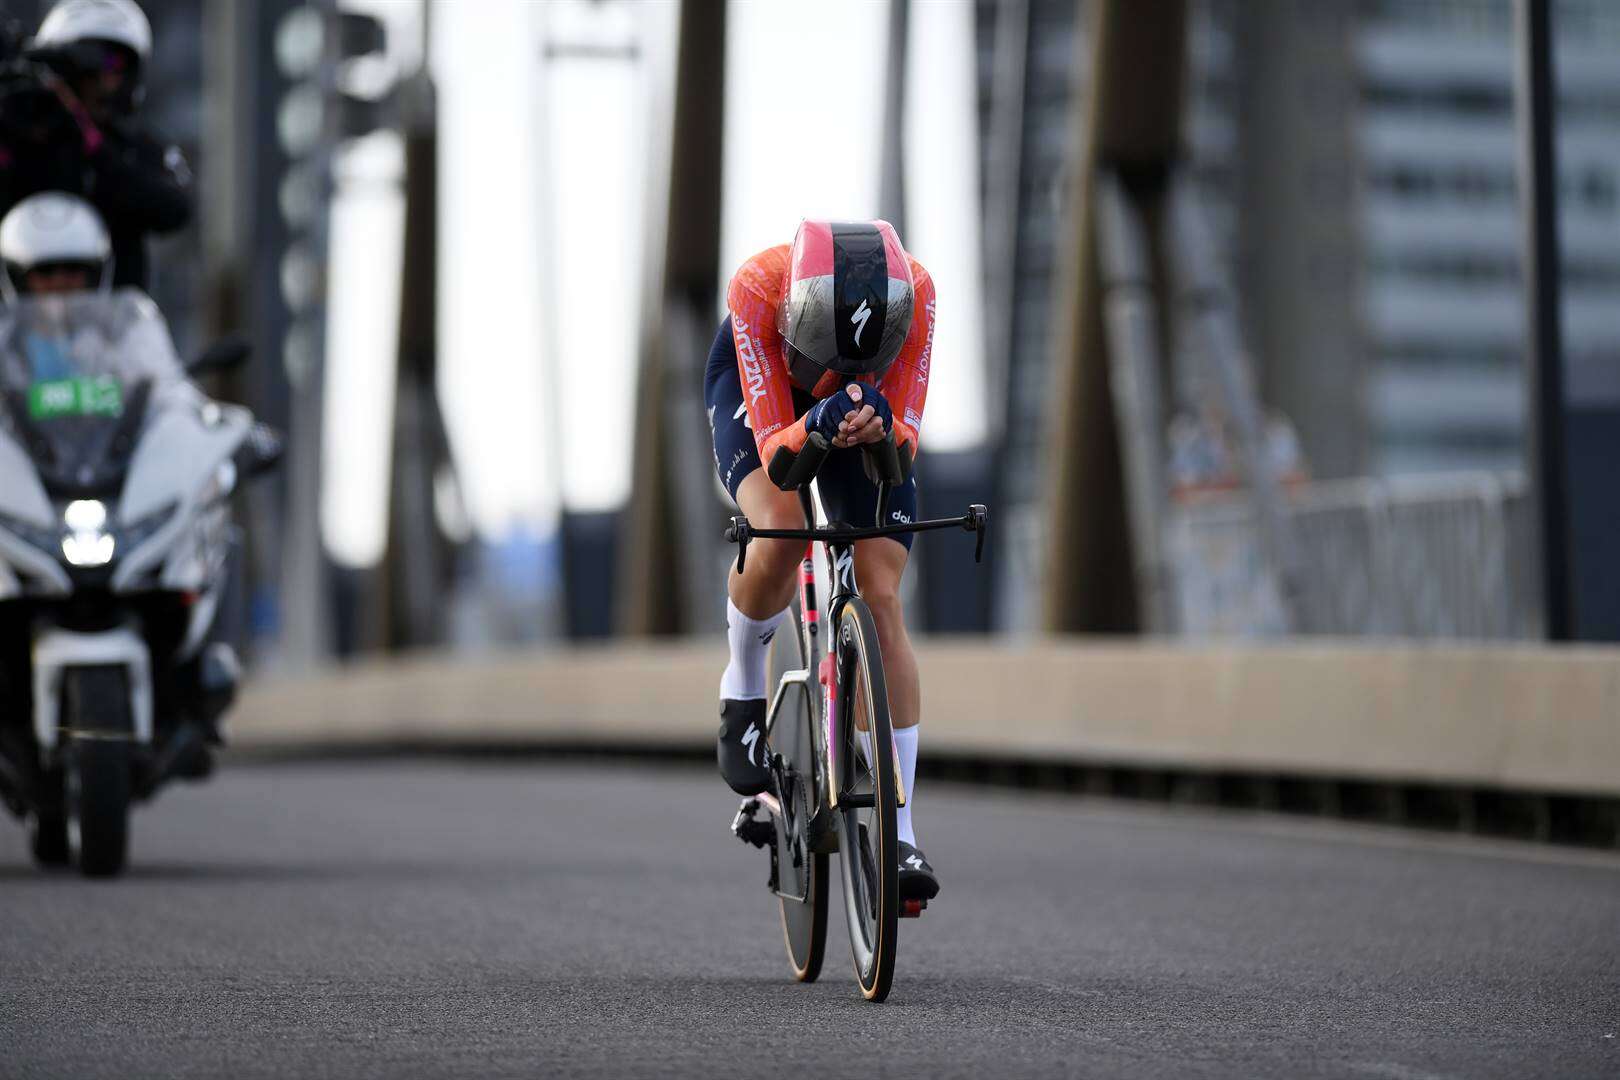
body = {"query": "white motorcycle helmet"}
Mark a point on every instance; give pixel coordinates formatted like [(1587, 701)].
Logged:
[(75, 28), (52, 229)]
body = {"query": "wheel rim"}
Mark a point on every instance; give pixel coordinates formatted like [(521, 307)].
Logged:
[(862, 831)]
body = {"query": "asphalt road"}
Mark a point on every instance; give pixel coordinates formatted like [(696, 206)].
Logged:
[(452, 918)]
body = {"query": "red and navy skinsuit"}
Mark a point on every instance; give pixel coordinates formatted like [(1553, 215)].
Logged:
[(755, 408)]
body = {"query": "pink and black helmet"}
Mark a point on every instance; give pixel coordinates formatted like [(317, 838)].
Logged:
[(847, 306)]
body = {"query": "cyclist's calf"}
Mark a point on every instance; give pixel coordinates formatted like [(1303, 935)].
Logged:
[(880, 564)]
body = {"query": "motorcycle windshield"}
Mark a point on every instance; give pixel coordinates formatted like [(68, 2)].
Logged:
[(77, 373)]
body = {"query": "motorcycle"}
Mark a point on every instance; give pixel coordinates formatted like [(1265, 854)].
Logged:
[(115, 535)]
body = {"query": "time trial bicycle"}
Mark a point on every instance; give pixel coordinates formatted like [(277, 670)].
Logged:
[(830, 710)]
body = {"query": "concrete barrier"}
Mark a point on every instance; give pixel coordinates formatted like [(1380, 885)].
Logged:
[(1509, 717)]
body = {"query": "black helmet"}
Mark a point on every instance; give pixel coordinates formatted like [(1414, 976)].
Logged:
[(846, 307)]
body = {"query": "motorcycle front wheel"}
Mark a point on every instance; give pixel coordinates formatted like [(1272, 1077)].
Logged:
[(98, 769)]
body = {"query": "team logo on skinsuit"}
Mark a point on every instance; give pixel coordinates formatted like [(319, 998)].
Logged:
[(750, 360), (928, 345)]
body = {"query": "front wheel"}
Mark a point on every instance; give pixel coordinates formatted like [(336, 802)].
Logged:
[(866, 802), (98, 770)]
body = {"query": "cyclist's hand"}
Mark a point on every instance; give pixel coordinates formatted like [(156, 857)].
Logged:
[(829, 415), (870, 422)]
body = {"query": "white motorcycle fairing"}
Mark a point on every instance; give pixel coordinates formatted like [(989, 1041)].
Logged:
[(23, 502), (183, 462), (56, 650)]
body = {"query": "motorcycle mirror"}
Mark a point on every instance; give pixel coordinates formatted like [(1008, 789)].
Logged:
[(227, 353)]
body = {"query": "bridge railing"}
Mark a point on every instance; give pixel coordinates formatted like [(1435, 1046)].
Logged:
[(1421, 557)]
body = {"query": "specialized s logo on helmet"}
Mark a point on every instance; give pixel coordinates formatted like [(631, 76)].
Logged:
[(846, 302), (860, 316)]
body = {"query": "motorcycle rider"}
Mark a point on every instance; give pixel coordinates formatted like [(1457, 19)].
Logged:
[(67, 123), (54, 244), (831, 335)]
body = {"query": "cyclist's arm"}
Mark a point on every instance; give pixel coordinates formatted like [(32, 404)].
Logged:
[(905, 385), (767, 391)]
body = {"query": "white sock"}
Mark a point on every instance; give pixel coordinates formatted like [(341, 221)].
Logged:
[(744, 676), (905, 742)]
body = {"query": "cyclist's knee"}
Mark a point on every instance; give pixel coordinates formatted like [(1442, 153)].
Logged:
[(768, 507)]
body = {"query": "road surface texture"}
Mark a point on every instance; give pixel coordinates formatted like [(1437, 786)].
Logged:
[(438, 918)]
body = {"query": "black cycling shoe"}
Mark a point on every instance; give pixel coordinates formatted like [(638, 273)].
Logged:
[(917, 879), (741, 746)]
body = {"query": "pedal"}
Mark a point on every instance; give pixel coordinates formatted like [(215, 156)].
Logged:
[(911, 909), (751, 830)]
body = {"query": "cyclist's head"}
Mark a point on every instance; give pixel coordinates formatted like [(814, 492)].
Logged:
[(847, 307), (53, 242), (101, 47)]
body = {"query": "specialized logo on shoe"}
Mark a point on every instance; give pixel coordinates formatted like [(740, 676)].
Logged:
[(914, 862), (860, 316), (750, 740)]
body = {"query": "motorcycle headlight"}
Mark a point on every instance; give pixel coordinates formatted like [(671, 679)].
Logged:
[(87, 540)]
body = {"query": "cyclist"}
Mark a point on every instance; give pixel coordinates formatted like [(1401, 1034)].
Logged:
[(830, 334)]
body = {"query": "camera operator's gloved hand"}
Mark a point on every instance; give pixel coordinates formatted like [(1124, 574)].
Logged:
[(856, 414)]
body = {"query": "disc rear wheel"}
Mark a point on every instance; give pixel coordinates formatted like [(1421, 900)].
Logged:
[(801, 874)]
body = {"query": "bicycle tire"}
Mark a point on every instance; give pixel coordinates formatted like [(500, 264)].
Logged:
[(868, 849), (792, 735)]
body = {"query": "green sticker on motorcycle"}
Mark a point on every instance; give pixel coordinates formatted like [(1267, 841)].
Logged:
[(82, 396)]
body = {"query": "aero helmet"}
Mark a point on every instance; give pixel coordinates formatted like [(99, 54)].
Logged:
[(846, 309)]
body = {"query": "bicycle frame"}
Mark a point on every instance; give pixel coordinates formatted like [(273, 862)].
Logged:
[(838, 541)]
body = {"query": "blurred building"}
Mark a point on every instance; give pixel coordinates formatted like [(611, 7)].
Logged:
[(1363, 157)]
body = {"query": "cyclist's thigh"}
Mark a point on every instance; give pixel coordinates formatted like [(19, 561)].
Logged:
[(851, 498), (735, 455)]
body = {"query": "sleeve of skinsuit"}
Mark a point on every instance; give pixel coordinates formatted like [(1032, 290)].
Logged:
[(767, 389), (905, 384)]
